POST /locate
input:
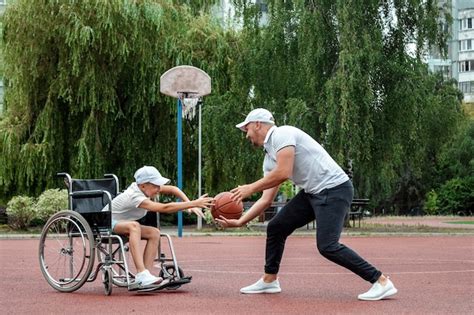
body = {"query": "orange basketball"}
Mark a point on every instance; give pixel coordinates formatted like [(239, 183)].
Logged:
[(226, 207)]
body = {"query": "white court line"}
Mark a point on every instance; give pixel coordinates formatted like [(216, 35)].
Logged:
[(329, 273)]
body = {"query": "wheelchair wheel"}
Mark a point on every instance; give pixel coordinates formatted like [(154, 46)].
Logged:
[(169, 271), (66, 251), (107, 280), (117, 268)]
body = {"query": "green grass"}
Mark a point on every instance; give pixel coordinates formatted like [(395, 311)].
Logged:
[(6, 229), (460, 222), (469, 109), (366, 228), (405, 228)]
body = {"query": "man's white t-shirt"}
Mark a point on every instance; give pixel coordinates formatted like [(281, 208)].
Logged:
[(125, 205), (313, 170)]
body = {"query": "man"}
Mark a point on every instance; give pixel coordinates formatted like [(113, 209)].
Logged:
[(133, 204), (325, 196)]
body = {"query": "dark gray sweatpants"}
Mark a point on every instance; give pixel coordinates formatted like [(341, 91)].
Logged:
[(329, 208)]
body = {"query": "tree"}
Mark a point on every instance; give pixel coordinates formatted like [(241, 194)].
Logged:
[(83, 86), (83, 93), (360, 91)]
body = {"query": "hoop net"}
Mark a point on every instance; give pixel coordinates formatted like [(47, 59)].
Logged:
[(189, 108), (189, 103)]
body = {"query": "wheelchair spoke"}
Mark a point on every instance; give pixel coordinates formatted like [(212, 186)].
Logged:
[(66, 251)]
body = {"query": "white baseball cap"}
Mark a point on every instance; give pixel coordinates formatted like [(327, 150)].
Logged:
[(258, 114), (149, 174)]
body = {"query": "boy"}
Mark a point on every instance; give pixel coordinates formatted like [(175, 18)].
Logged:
[(133, 204)]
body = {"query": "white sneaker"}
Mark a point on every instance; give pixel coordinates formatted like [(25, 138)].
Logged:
[(378, 291), (262, 287), (145, 278)]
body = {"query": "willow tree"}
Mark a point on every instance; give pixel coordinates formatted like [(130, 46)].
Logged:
[(82, 83), (343, 71), (82, 90)]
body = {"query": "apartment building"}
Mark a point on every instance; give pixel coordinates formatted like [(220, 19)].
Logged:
[(463, 65), (459, 63)]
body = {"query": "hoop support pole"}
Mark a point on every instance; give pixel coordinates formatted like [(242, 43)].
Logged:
[(180, 163)]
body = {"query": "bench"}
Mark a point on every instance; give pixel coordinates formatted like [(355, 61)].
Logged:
[(356, 212), (269, 213)]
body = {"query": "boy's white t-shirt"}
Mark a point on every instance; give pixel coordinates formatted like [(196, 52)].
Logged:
[(125, 205), (313, 170)]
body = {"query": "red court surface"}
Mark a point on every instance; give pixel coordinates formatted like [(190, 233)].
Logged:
[(434, 275)]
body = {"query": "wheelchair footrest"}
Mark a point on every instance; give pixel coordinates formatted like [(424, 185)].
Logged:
[(134, 286), (182, 280), (166, 284)]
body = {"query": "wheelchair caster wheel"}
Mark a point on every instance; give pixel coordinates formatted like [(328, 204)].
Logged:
[(107, 280), (168, 271)]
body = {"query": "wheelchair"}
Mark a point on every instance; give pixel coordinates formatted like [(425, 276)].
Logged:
[(72, 239)]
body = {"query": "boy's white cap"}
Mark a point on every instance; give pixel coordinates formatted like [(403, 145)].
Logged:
[(258, 114), (149, 174)]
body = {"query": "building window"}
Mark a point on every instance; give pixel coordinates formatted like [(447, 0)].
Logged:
[(443, 69), (465, 44), (466, 87), (466, 65), (465, 24), (262, 5)]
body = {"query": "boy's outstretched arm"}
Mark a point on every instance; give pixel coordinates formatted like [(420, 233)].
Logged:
[(171, 207), (175, 191)]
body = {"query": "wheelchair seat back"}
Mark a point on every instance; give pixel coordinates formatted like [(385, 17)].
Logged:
[(89, 196)]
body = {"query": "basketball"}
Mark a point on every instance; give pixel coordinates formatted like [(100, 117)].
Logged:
[(226, 207)]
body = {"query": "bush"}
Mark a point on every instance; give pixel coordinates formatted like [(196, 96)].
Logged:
[(50, 202), (3, 215), (208, 217), (457, 196), (431, 206), (287, 189), (20, 212)]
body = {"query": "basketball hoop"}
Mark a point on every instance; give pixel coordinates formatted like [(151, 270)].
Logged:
[(188, 84)]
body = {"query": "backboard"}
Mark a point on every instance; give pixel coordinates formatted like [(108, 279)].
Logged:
[(185, 82)]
